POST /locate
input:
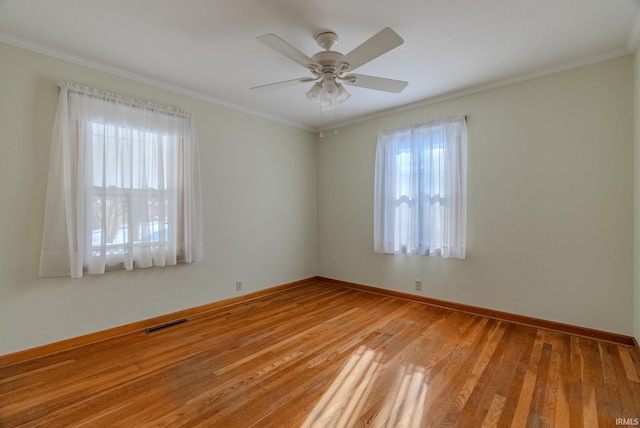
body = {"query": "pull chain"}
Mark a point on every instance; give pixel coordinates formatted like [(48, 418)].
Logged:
[(335, 117), (321, 98)]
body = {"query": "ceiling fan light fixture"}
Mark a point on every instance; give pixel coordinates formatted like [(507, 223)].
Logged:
[(328, 93), (343, 95), (315, 93), (329, 102), (330, 88)]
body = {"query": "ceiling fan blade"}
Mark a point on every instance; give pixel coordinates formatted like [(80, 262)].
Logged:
[(284, 48), (377, 83), (282, 84), (382, 42)]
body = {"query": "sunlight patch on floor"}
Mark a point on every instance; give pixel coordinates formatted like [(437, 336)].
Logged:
[(346, 395), (407, 399), (342, 404)]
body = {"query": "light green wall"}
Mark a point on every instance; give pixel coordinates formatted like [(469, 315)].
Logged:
[(259, 203), (550, 201)]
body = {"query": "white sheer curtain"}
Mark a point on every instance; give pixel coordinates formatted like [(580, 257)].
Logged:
[(124, 186), (420, 189)]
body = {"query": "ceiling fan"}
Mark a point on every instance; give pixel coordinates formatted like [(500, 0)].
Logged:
[(329, 67)]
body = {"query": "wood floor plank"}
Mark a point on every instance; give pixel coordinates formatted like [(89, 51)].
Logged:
[(494, 413), (322, 355), (512, 386), (629, 367), (576, 395), (521, 414)]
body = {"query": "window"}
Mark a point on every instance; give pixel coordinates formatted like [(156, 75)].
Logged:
[(420, 189), (131, 201), (124, 188)]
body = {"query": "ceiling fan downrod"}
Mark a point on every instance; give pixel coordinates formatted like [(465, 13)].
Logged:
[(327, 40)]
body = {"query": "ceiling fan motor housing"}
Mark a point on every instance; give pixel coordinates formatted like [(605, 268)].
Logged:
[(331, 62)]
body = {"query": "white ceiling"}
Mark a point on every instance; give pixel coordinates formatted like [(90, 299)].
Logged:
[(207, 48)]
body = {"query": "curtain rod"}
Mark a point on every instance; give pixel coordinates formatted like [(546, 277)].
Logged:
[(426, 122), (122, 99)]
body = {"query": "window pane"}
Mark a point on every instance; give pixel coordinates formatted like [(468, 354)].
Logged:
[(109, 220)]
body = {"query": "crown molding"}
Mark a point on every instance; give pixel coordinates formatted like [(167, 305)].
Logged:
[(95, 65)]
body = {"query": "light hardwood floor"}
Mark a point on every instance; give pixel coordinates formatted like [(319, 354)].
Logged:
[(322, 355)]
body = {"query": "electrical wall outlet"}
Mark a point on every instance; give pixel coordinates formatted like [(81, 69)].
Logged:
[(418, 284), (238, 285)]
